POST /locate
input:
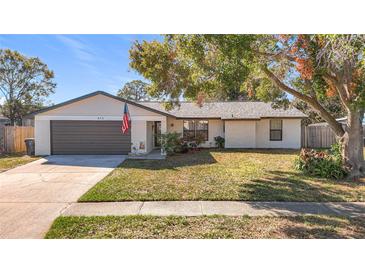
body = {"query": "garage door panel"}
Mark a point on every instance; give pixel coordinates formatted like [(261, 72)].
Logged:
[(75, 146), (89, 137)]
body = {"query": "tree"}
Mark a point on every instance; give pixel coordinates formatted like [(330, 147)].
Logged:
[(19, 108), (331, 104), (25, 82), (181, 65), (135, 90), (312, 68)]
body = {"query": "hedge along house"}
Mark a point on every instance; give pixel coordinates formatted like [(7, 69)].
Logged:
[(91, 124)]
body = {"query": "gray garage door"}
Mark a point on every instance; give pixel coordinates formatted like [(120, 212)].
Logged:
[(89, 137)]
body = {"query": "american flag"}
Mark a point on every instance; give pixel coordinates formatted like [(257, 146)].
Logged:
[(126, 121)]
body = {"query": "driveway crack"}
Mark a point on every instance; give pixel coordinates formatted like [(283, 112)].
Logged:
[(201, 208), (140, 208), (65, 208)]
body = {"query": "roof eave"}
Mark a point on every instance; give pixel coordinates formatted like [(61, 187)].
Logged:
[(284, 117), (31, 115), (196, 117), (245, 119)]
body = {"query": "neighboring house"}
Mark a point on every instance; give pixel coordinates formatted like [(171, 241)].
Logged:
[(4, 121), (28, 122), (342, 121), (91, 125)]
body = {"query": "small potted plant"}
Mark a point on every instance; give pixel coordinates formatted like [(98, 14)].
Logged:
[(219, 141)]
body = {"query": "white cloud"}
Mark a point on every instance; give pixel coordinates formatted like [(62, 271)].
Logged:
[(81, 50), (86, 56)]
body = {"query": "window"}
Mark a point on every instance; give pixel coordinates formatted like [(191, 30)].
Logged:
[(276, 130), (194, 128)]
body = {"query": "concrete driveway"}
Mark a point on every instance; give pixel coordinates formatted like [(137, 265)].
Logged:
[(33, 195)]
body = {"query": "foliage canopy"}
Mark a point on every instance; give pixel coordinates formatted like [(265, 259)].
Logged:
[(25, 82)]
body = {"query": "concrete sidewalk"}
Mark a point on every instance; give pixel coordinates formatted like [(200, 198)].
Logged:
[(230, 208)]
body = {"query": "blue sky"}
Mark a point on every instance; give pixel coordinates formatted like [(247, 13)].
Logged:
[(81, 63)]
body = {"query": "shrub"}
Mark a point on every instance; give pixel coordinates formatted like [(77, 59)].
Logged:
[(336, 152), (321, 163), (219, 141), (170, 142), (199, 139), (184, 147)]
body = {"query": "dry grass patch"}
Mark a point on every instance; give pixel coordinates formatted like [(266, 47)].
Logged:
[(9, 161), (204, 227)]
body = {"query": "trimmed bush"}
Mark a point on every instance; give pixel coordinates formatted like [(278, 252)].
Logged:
[(325, 164), (199, 139), (170, 142), (184, 147), (219, 141)]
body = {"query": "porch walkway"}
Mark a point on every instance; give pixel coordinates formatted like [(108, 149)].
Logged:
[(153, 155), (230, 208)]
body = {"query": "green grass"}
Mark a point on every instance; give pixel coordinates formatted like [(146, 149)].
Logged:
[(9, 161), (250, 175), (206, 227)]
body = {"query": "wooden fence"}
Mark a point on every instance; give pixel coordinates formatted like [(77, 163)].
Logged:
[(320, 136), (12, 138)]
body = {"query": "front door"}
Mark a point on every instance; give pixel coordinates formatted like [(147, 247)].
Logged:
[(157, 133)]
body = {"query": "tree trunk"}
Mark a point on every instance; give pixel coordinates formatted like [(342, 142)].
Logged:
[(351, 139), (352, 144), (11, 116)]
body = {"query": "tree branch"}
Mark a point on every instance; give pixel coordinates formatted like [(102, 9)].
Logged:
[(275, 56), (342, 93), (336, 126)]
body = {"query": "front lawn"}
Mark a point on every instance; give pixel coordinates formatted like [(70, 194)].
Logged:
[(9, 161), (206, 227), (250, 175)]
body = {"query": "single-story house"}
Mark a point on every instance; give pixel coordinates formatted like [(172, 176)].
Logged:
[(91, 125), (342, 120), (4, 121), (28, 122)]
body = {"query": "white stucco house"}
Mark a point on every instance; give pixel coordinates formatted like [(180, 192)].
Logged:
[(91, 125)]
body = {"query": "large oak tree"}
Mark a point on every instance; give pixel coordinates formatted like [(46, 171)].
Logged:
[(25, 82), (310, 68), (135, 90), (317, 69)]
